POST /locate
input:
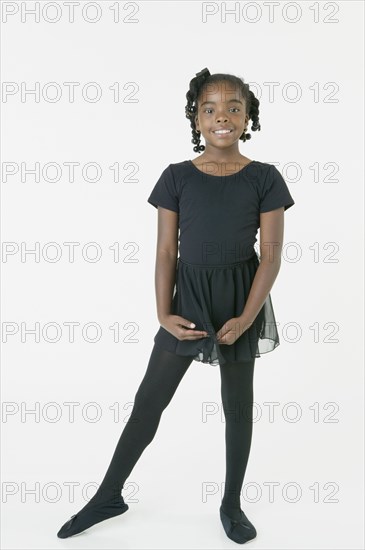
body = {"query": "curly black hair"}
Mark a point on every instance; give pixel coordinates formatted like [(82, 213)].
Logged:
[(197, 86)]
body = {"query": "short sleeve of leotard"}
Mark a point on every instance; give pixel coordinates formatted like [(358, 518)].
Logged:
[(165, 192), (275, 192)]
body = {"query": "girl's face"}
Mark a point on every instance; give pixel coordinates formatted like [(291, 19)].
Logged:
[(221, 106)]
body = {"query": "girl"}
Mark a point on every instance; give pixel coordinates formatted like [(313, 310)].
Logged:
[(213, 301)]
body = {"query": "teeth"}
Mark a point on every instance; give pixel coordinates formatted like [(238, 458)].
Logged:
[(222, 131)]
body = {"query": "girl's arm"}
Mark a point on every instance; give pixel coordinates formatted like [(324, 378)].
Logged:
[(271, 244), (166, 256)]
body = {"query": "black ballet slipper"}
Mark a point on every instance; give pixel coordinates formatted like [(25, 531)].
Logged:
[(239, 531), (86, 518)]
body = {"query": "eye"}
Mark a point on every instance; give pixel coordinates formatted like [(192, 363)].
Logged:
[(210, 109)]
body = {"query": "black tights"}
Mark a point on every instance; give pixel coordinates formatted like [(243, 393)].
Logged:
[(162, 377)]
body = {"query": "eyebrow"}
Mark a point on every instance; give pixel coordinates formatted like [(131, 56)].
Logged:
[(229, 101)]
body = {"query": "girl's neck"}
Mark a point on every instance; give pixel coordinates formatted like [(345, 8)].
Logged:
[(209, 159), (218, 156)]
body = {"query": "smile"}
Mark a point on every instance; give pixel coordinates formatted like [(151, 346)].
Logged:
[(222, 131)]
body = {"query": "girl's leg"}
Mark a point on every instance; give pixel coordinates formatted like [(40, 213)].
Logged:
[(162, 377), (237, 400)]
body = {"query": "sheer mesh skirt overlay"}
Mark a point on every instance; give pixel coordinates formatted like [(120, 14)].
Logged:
[(211, 295)]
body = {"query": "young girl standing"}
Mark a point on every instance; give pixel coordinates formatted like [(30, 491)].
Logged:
[(212, 289)]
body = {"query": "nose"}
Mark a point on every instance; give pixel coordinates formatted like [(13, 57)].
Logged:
[(222, 117)]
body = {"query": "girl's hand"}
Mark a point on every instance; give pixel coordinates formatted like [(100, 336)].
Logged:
[(182, 328), (231, 331)]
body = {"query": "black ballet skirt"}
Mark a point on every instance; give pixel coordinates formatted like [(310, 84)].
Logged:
[(217, 262)]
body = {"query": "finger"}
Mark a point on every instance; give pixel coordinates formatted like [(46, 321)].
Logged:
[(223, 338), (187, 323), (194, 334), (222, 331)]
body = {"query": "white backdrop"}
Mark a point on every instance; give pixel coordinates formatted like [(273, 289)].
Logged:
[(103, 86)]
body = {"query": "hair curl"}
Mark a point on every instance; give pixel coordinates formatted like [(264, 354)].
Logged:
[(196, 87)]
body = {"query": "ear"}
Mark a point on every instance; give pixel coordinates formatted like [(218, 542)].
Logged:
[(196, 122)]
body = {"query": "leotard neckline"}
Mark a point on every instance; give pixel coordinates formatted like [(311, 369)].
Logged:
[(214, 176)]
